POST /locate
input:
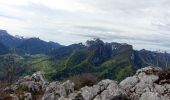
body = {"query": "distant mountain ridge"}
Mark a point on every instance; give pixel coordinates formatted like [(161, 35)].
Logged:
[(9, 40), (26, 45), (104, 60)]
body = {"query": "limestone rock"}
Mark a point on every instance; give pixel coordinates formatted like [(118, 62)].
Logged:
[(151, 96), (112, 91), (26, 96), (143, 84), (55, 90), (14, 97), (104, 90), (146, 84)]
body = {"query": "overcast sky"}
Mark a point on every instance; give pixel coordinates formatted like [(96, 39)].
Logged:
[(142, 23)]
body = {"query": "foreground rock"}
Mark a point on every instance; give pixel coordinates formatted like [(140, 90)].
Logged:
[(146, 85), (104, 90), (149, 83), (55, 90), (25, 87)]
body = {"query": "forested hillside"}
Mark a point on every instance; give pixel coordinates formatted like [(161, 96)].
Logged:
[(101, 59)]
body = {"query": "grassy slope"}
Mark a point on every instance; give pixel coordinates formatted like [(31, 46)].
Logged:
[(117, 67)]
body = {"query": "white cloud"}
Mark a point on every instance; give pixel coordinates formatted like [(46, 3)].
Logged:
[(142, 23)]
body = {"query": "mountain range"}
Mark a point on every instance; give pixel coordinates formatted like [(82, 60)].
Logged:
[(22, 45), (102, 59)]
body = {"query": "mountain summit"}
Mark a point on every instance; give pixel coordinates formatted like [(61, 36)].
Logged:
[(26, 45), (3, 32), (9, 40)]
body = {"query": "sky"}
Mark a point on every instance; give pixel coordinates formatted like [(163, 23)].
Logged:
[(142, 23)]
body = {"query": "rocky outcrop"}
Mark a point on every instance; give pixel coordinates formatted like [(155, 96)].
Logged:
[(26, 96), (25, 87), (34, 83), (144, 85), (55, 90), (150, 83), (104, 90)]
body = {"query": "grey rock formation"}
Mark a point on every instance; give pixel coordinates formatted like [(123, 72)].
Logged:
[(14, 97), (146, 84), (143, 86), (26, 96), (69, 87), (104, 90), (151, 96), (35, 83), (55, 90)]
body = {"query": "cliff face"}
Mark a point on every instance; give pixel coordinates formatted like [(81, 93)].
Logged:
[(150, 83)]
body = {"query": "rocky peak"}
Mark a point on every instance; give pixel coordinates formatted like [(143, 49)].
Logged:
[(3, 33), (95, 42), (98, 51)]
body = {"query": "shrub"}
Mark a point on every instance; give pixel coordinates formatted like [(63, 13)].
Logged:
[(86, 79), (164, 76), (23, 88)]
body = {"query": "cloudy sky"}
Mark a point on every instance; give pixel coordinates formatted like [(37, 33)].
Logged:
[(142, 23)]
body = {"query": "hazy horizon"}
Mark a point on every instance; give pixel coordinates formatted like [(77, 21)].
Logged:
[(143, 24)]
